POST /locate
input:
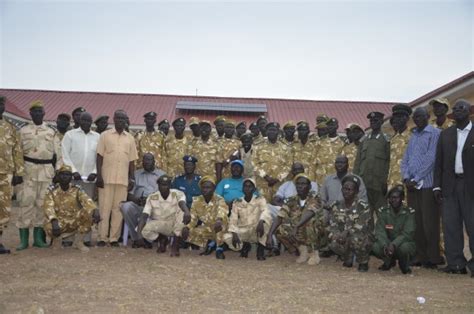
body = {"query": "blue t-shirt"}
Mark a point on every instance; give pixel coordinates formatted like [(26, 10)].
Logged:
[(230, 189), (189, 189)]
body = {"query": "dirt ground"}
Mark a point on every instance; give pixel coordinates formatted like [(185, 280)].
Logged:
[(138, 280)]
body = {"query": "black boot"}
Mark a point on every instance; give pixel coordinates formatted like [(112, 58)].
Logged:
[(404, 266), (210, 247), (260, 252), (220, 253), (4, 250), (387, 265), (244, 252)]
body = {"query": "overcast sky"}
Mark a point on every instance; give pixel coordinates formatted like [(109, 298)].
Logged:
[(375, 51)]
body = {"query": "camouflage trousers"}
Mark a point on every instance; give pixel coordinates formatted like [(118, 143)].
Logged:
[(247, 234), (31, 196), (267, 191), (201, 234), (82, 224), (405, 252), (6, 191), (309, 235), (171, 227), (358, 244)]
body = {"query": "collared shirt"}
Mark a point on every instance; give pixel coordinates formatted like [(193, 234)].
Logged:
[(288, 189), (190, 189), (159, 208), (146, 182), (418, 161), (80, 151), (462, 136), (230, 189), (118, 150), (331, 190)]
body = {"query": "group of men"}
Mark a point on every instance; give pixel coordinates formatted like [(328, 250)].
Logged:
[(228, 188)]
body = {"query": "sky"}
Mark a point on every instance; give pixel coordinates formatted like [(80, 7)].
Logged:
[(351, 50)]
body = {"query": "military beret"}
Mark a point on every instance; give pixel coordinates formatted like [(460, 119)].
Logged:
[(322, 117), (250, 180), (63, 115), (193, 121), (164, 121), (301, 175), (351, 178), (36, 104), (65, 168), (396, 188), (375, 114), (219, 118), (164, 179), (150, 114), (204, 122), (237, 161), (262, 117), (289, 124), (189, 158), (272, 125), (246, 134), (207, 179), (78, 109), (101, 117), (242, 123), (180, 119), (443, 101), (402, 109), (321, 125), (353, 126), (253, 125), (230, 122)]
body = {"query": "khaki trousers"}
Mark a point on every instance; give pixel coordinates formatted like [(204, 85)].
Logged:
[(109, 206), (31, 196)]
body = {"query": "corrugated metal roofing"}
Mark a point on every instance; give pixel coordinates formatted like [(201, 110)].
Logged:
[(279, 110), (208, 106)]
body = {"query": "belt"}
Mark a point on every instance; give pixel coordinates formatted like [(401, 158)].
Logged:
[(38, 161), (459, 175)]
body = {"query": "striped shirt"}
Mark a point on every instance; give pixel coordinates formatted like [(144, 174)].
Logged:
[(418, 161)]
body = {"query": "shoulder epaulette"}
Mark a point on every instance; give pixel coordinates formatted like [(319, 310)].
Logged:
[(387, 137)]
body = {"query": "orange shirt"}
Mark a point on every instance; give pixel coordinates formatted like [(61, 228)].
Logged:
[(118, 150)]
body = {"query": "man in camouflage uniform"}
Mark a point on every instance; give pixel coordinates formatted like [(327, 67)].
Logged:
[(398, 143), (261, 123), (219, 124), (176, 147), (440, 109), (272, 163), (41, 148), (303, 149), (240, 129), (164, 215), (373, 161), (327, 149), (151, 141), (300, 223), (68, 211), (395, 232), (208, 220), (349, 226), (321, 127), (206, 151), (195, 130), (249, 222), (246, 153), (253, 128), (355, 134), (164, 127), (289, 130), (229, 148), (11, 168)]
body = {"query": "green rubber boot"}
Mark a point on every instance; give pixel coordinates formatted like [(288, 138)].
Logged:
[(38, 238), (24, 238)]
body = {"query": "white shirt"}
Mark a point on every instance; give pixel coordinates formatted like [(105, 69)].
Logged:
[(80, 151), (462, 136), (288, 189)]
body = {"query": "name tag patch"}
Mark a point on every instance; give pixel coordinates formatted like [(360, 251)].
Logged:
[(389, 227)]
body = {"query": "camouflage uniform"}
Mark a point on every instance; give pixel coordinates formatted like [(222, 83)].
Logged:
[(312, 234), (350, 151), (274, 160), (398, 144), (228, 146), (447, 123), (151, 142), (207, 154), (72, 208), (304, 154), (12, 164), (39, 142), (327, 150), (398, 229), (175, 150), (204, 216), (247, 158), (353, 225), (244, 219)]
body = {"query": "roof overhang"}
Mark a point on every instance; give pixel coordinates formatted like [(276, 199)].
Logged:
[(215, 106)]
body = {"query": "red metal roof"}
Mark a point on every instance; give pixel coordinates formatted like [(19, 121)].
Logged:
[(279, 110)]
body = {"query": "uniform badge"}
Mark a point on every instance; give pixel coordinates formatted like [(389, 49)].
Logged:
[(389, 227)]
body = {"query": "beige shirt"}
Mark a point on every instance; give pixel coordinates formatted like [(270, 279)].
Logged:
[(247, 214), (159, 208), (118, 150)]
